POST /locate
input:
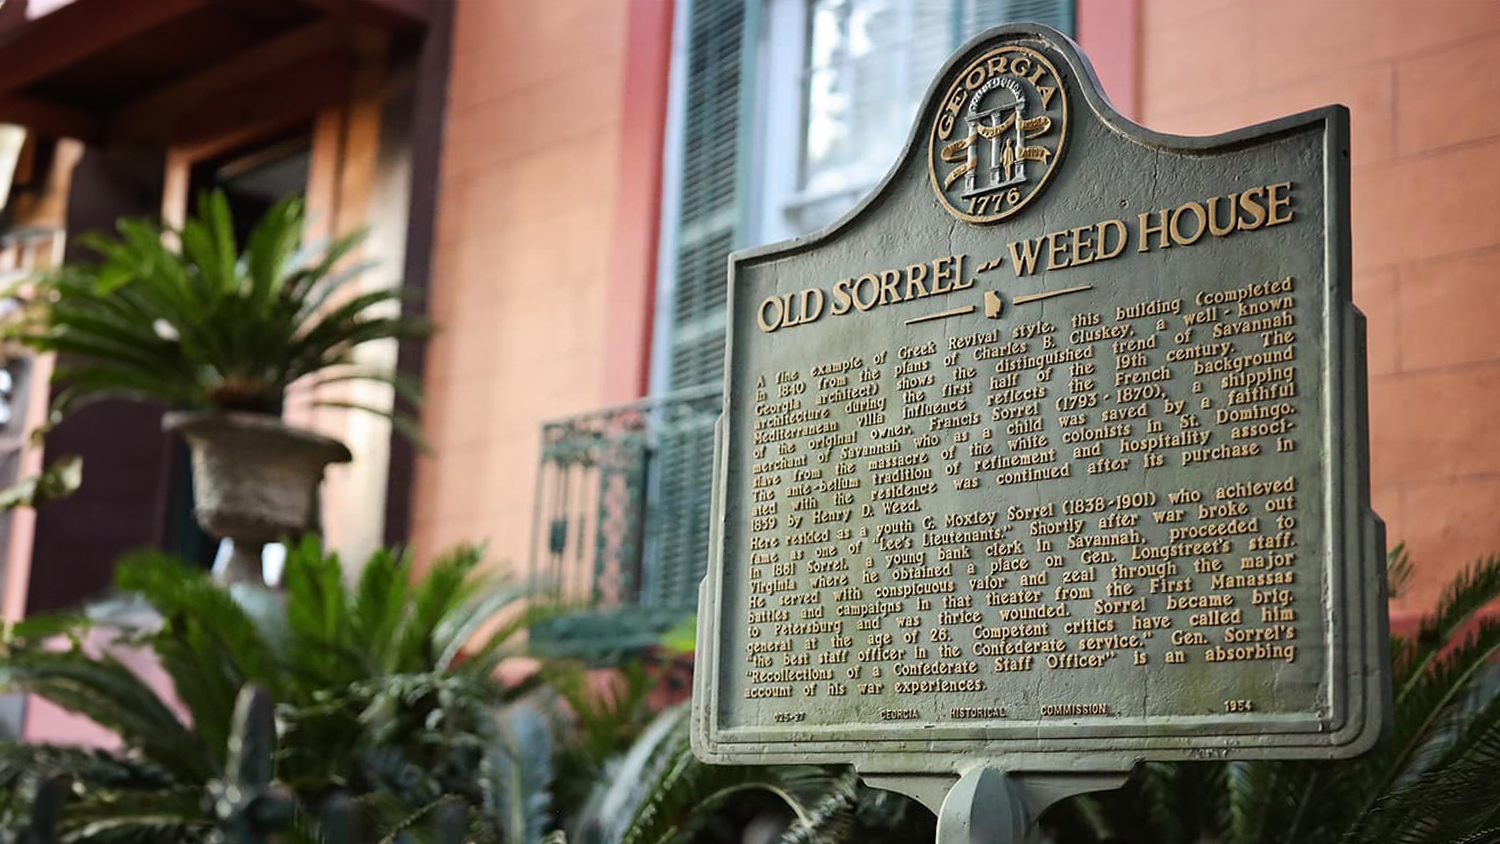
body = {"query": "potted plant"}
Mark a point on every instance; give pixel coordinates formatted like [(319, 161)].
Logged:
[(219, 333)]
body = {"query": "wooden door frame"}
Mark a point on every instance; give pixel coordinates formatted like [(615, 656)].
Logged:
[(345, 142)]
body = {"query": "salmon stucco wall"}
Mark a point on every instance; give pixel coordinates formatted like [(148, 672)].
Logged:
[(527, 270), (1422, 81), (541, 284)]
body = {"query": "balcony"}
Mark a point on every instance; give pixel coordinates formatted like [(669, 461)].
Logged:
[(622, 522)]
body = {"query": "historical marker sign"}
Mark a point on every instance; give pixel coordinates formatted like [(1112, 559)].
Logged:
[(1052, 453)]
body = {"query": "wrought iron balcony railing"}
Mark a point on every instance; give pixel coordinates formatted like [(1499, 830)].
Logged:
[(622, 521)]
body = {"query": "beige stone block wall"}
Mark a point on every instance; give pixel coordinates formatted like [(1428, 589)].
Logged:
[(1422, 81), (522, 262)]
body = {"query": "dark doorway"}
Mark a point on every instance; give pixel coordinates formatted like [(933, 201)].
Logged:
[(256, 178)]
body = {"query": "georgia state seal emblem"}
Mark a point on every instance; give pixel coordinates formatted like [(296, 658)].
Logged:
[(998, 134)]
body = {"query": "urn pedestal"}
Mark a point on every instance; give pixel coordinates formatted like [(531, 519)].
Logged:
[(255, 480)]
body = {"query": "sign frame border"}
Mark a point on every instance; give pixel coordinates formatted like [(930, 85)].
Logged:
[(1358, 664)]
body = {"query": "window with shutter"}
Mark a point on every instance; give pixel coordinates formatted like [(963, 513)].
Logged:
[(710, 175), (709, 201), (838, 84)]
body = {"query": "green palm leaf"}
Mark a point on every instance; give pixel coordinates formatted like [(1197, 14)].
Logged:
[(272, 244), (167, 816), (380, 601), (445, 589), (667, 794), (323, 651), (209, 645), (830, 816), (517, 774), (368, 699), (1469, 592), (185, 317), (111, 695)]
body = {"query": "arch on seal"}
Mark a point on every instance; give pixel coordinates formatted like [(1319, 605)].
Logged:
[(1002, 174)]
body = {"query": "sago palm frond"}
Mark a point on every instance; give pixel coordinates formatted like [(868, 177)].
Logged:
[(1449, 792), (1425, 778), (1442, 805), (1433, 685), (20, 763), (322, 651), (446, 588), (325, 652), (632, 781), (1464, 597), (384, 820), (202, 324), (208, 644), (456, 639), (378, 605), (36, 781), (168, 816), (1398, 571), (440, 725), (462, 619), (676, 794), (517, 777), (110, 694), (831, 807)]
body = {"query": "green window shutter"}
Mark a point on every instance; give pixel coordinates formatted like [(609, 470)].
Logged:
[(711, 200)]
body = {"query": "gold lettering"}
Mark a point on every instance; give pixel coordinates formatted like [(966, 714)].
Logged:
[(1213, 215), (1056, 246), (1081, 244), (769, 325), (942, 270), (958, 273), (842, 300), (1276, 199), (1177, 236), (1116, 226), (1160, 230), (888, 281), (915, 274), (874, 285), (1023, 255), (1250, 204)]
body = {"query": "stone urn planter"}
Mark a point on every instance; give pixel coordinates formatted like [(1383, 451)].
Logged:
[(255, 480)]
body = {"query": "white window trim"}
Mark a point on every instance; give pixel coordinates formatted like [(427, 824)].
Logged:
[(779, 109), (671, 205), (782, 65)]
